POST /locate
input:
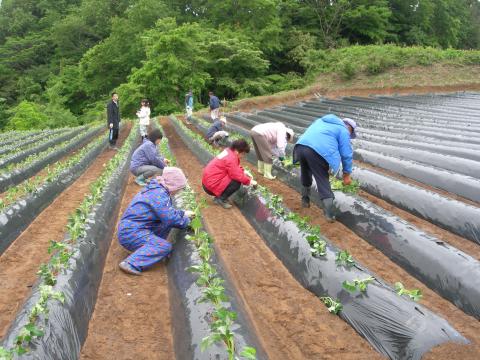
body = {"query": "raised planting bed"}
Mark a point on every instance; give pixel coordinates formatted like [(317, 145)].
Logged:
[(20, 145), (39, 146), (208, 322), (424, 256), (459, 184), (11, 137), (455, 216), (53, 322), (452, 163), (331, 272), (35, 163), (25, 201)]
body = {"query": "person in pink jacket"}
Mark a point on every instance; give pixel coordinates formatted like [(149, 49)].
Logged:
[(269, 140)]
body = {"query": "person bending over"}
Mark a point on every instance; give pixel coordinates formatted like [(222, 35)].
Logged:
[(147, 221), (320, 151), (223, 175), (146, 162), (216, 133), (269, 140)]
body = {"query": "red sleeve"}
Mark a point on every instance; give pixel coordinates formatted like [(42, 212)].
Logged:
[(235, 171)]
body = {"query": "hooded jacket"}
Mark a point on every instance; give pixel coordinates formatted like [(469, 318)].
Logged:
[(330, 139)]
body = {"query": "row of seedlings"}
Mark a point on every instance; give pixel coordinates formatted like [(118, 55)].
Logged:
[(10, 137), (18, 146), (424, 256), (216, 326), (38, 146), (21, 204), (15, 173), (466, 222), (332, 274), (53, 322)]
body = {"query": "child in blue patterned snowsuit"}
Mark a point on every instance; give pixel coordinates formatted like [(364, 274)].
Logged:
[(146, 223)]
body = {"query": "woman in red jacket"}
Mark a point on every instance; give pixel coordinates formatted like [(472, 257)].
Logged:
[(223, 175)]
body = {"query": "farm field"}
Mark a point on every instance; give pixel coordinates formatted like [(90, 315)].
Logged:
[(396, 276)]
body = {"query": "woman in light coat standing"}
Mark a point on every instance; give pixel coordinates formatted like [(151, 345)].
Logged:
[(144, 118)]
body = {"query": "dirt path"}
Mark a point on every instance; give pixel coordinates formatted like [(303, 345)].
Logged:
[(132, 314), (20, 262), (292, 322), (380, 264)]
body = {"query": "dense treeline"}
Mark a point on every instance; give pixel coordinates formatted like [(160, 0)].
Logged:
[(59, 59)]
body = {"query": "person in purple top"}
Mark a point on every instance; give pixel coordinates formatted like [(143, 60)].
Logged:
[(146, 162), (146, 223)]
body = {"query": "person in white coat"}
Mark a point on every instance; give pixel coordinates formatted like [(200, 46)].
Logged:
[(144, 118), (269, 140)]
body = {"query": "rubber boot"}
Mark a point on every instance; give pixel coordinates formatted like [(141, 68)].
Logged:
[(328, 209), (260, 166), (268, 172), (140, 180), (306, 196)]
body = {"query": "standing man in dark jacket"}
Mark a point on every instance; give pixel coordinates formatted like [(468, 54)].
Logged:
[(113, 120), (214, 105)]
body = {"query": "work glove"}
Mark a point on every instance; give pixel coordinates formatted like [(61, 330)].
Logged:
[(347, 180), (253, 183), (248, 173), (189, 213), (111, 126)]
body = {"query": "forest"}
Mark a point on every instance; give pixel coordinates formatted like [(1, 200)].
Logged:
[(61, 59)]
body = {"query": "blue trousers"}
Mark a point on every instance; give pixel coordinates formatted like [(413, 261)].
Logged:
[(148, 249)]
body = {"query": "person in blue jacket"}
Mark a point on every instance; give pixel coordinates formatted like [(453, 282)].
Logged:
[(146, 223), (321, 150), (146, 162)]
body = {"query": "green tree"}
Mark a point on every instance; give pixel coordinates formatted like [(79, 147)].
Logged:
[(26, 116)]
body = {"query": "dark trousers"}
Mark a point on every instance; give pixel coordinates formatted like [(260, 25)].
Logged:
[(229, 190), (113, 136), (313, 164)]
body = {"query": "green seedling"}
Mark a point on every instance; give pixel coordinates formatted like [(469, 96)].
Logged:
[(414, 294), (249, 353), (357, 284), (333, 306), (337, 184), (319, 248), (215, 292), (344, 258)]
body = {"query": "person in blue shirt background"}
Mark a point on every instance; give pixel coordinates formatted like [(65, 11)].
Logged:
[(189, 105), (321, 150)]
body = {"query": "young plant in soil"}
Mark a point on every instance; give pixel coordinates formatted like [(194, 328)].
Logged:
[(414, 294), (61, 254), (357, 284), (344, 258), (333, 306)]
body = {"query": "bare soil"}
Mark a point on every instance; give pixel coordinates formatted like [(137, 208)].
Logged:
[(20, 262), (291, 322), (132, 317), (381, 265)]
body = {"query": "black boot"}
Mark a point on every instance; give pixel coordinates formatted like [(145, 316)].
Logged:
[(306, 196), (328, 209)]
